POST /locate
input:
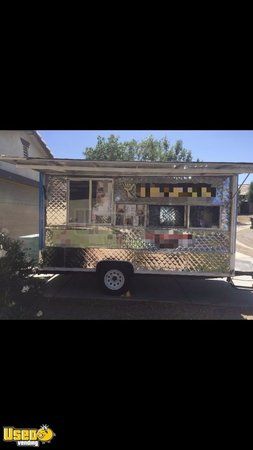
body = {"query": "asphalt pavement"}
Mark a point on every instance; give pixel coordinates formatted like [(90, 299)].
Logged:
[(77, 296)]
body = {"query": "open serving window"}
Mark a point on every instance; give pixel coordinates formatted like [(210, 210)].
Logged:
[(90, 201), (204, 217)]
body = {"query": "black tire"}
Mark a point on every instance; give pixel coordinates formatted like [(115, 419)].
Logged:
[(114, 278)]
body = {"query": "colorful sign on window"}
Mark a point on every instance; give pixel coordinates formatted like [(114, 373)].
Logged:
[(162, 190)]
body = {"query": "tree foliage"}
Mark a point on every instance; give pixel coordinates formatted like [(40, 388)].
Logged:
[(149, 149)]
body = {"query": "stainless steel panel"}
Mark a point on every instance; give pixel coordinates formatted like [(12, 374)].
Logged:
[(208, 250), (56, 211), (208, 253)]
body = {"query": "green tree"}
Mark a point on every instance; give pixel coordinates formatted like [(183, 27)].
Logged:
[(250, 195), (149, 149), (112, 149), (180, 153)]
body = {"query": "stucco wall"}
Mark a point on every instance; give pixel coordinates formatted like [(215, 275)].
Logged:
[(19, 211), (10, 145)]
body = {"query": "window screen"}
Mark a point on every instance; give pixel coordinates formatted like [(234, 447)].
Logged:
[(79, 201), (205, 216), (166, 216)]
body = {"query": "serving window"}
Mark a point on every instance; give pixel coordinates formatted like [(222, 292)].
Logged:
[(101, 208), (90, 201), (184, 216), (167, 216), (79, 195), (204, 217)]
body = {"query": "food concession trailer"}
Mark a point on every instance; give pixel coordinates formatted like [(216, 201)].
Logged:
[(118, 218)]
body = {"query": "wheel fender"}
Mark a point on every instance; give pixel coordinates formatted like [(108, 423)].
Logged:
[(124, 266)]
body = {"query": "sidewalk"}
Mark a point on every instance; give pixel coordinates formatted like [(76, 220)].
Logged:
[(243, 263), (244, 247)]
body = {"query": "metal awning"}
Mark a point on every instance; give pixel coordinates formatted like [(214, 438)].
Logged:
[(84, 167)]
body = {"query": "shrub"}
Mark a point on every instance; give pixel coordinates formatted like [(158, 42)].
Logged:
[(16, 271)]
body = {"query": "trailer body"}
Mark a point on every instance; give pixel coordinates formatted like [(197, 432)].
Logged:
[(163, 218)]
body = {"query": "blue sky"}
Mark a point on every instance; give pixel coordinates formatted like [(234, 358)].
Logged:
[(234, 146)]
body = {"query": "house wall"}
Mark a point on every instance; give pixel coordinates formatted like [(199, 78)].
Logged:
[(19, 211), (10, 145), (19, 202)]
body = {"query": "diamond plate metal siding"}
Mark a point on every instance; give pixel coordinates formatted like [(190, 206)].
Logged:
[(56, 211), (209, 251), (183, 261), (125, 187)]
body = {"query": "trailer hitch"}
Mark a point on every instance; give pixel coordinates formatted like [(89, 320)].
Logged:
[(230, 281)]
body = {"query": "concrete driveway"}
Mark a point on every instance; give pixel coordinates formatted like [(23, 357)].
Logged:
[(244, 245)]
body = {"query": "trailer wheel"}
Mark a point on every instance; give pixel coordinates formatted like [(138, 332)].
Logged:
[(114, 278)]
